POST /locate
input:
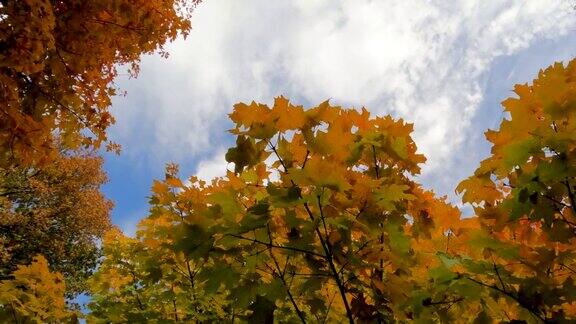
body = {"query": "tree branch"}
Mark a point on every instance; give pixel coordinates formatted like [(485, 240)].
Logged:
[(570, 195), (328, 254), (289, 248), (512, 296), (335, 274), (281, 276)]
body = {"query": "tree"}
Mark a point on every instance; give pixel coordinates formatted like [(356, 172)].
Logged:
[(34, 295), (58, 61), (322, 220), (318, 222), (146, 280), (57, 211), (524, 197)]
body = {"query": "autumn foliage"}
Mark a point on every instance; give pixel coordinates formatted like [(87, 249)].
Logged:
[(34, 295), (314, 217), (321, 219), (57, 211), (524, 198), (58, 61)]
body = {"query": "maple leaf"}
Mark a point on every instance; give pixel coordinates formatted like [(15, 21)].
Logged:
[(524, 200)]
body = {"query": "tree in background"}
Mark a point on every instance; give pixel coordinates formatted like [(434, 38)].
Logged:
[(57, 211), (321, 221), (58, 61), (34, 295), (146, 279)]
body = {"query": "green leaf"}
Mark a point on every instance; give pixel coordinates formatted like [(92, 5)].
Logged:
[(442, 274), (388, 194), (482, 318), (193, 240), (447, 260), (257, 217), (260, 208), (399, 242), (467, 289), (246, 153), (356, 150), (227, 201), (517, 153), (244, 293), (274, 290), (398, 145), (214, 277), (284, 197), (262, 311), (480, 240)]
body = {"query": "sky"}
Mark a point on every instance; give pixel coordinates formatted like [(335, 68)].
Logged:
[(443, 65)]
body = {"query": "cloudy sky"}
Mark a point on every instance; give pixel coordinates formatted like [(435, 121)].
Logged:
[(443, 65)]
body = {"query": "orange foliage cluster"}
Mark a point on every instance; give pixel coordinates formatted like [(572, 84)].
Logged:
[(57, 211), (322, 219), (58, 60)]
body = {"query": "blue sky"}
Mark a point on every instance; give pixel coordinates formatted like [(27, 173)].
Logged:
[(443, 65)]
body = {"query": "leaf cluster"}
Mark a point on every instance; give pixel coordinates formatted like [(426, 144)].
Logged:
[(58, 61), (320, 220), (57, 211), (34, 295)]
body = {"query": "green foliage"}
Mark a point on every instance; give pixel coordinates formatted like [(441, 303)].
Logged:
[(57, 211), (321, 221), (328, 237), (524, 199)]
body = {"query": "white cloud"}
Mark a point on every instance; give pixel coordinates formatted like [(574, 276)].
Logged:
[(424, 61), (214, 167)]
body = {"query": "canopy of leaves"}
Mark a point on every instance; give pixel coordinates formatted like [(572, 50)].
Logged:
[(320, 221), (34, 295), (57, 211), (524, 198), (148, 280), (58, 60)]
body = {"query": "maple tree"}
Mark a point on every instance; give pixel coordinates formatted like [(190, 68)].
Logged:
[(322, 221), (147, 280), (319, 221), (57, 211), (58, 61), (523, 195), (34, 295)]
